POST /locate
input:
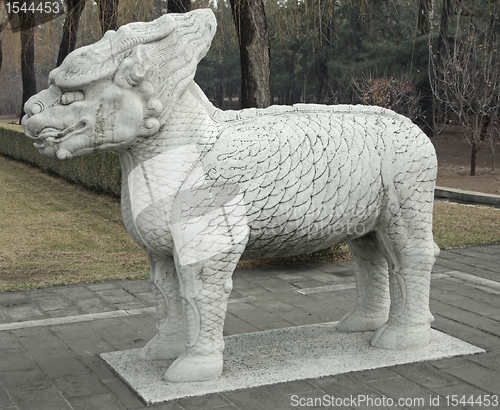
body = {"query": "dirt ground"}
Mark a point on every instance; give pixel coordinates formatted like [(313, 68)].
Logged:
[(454, 163), (453, 159)]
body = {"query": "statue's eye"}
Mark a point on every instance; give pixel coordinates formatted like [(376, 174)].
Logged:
[(72, 96)]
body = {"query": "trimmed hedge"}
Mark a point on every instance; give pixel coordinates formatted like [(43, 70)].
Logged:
[(100, 172)]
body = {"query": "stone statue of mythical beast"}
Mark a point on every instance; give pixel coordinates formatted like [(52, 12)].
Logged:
[(202, 188)]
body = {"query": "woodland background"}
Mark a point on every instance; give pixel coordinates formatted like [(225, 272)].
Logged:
[(434, 61)]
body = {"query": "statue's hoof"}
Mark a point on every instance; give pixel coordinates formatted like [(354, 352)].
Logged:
[(355, 322), (401, 337), (163, 347), (190, 368)]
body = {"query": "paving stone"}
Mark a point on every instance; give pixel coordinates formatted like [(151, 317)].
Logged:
[(3, 317), (258, 317), (274, 305), (209, 401), (80, 385), (14, 299), (327, 313), (43, 345), (266, 397), (330, 278), (308, 283), (489, 360), (98, 367), (5, 400), (233, 325), (59, 365), (144, 325), (460, 390), (135, 287), (316, 399), (73, 331), (348, 390), (247, 288), (114, 296), (94, 305), (454, 264), (102, 286), (291, 276), (425, 375), (479, 377), (89, 346), (276, 285), (124, 395), (23, 313), (30, 331), (51, 301), (299, 317), (7, 340), (96, 402), (479, 294), (469, 318), (44, 399), (171, 405), (147, 298), (135, 304), (412, 395), (73, 311), (20, 380), (76, 292), (374, 375), (15, 359), (451, 362), (466, 333)]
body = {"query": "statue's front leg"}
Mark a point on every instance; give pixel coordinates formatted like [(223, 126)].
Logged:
[(205, 289), (170, 341)]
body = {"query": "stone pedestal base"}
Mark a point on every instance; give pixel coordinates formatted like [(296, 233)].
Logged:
[(281, 355)]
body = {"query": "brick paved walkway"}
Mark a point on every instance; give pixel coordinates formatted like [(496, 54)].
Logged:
[(50, 340)]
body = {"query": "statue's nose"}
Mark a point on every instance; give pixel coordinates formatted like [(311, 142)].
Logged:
[(33, 106)]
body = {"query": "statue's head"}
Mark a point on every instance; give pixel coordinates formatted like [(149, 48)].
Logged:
[(108, 95)]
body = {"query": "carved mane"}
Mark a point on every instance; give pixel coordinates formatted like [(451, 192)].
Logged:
[(167, 51)]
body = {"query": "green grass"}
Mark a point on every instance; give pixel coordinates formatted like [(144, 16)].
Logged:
[(57, 233)]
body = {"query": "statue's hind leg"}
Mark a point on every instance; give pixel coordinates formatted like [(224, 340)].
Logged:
[(411, 255), (170, 341), (372, 285)]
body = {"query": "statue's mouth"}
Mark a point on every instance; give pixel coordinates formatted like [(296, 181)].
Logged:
[(51, 136)]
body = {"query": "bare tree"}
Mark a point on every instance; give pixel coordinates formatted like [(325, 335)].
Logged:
[(398, 94), (178, 6), (467, 73), (108, 14), (253, 36), (70, 29), (27, 26)]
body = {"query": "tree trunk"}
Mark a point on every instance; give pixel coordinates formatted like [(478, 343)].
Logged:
[(108, 14), (423, 18), (68, 41), (251, 26), (27, 24), (473, 155), (178, 6), (443, 30)]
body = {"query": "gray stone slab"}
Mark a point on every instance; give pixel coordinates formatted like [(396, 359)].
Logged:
[(294, 353)]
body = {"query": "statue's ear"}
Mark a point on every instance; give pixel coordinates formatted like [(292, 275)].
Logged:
[(134, 68)]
